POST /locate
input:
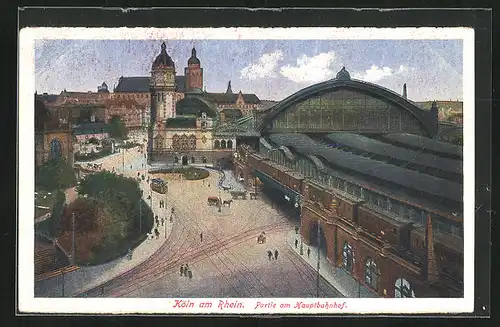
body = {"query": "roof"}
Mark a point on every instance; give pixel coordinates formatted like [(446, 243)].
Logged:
[(132, 84), (366, 144), (456, 106), (181, 122), (193, 106), (424, 143), (163, 60), (49, 97), (230, 98), (369, 167), (343, 81), (232, 113)]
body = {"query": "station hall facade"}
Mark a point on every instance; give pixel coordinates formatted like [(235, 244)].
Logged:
[(359, 166)]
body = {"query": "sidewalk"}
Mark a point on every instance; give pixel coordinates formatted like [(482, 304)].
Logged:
[(337, 277), (88, 277)]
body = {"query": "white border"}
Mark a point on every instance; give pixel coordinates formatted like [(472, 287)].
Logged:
[(28, 303)]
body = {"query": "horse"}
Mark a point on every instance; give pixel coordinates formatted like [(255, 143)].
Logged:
[(228, 202)]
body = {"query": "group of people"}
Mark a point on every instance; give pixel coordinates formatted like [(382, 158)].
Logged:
[(157, 220), (186, 271), (308, 249), (270, 255), (162, 204)]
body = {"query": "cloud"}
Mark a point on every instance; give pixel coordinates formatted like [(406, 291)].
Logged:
[(312, 69), (265, 67), (376, 73)]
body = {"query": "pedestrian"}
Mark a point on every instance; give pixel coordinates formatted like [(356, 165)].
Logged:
[(182, 270), (102, 290), (308, 252), (296, 230), (208, 184), (296, 243), (157, 221), (201, 237), (203, 182), (269, 255), (186, 268), (276, 254), (130, 166), (162, 221), (190, 274), (171, 218)]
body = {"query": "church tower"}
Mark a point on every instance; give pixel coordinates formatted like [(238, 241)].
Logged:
[(194, 73), (162, 87)]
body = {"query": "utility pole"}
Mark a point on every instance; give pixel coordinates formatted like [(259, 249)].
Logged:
[(140, 215), (73, 239), (317, 277)]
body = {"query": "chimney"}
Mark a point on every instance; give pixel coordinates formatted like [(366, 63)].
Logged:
[(405, 95), (431, 264)]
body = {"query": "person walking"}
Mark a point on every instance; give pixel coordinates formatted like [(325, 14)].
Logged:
[(308, 252), (296, 230), (182, 270), (186, 268), (190, 274), (296, 243), (157, 221), (201, 237), (276, 254), (162, 221), (269, 255)]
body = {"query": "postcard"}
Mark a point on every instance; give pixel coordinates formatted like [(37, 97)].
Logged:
[(246, 170)]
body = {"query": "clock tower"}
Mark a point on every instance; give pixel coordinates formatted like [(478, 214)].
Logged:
[(162, 87)]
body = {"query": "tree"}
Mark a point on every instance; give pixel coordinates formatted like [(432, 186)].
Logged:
[(55, 174), (117, 128)]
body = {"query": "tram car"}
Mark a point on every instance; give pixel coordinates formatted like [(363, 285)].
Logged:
[(159, 185)]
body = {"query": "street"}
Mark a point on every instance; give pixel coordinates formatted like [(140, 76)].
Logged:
[(228, 262)]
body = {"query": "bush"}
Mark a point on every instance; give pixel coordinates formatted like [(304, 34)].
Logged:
[(55, 174), (189, 173)]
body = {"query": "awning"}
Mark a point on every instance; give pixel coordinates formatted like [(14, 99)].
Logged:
[(290, 195)]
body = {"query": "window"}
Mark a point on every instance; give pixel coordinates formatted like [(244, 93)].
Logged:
[(347, 257), (402, 289), (223, 144), (371, 273), (230, 144), (55, 149), (158, 142)]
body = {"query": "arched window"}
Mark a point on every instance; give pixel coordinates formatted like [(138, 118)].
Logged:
[(230, 144), (402, 288), (176, 142), (55, 149), (158, 142), (176, 159), (192, 142), (371, 273), (223, 144), (184, 142), (347, 257), (217, 144)]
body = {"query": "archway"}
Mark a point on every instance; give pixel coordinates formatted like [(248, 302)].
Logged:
[(223, 144), (313, 238), (217, 144), (229, 144), (184, 160), (55, 149)]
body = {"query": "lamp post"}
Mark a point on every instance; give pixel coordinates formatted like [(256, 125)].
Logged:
[(317, 277), (62, 274)]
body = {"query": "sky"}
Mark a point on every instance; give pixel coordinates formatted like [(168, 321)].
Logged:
[(272, 69)]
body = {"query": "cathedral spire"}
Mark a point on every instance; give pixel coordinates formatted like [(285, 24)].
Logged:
[(229, 90), (431, 265)]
